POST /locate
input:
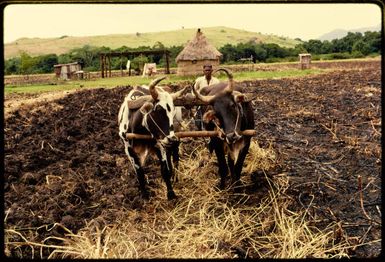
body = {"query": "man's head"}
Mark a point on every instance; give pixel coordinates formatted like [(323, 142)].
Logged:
[(207, 71)]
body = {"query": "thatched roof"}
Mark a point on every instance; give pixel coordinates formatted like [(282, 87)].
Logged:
[(198, 49)]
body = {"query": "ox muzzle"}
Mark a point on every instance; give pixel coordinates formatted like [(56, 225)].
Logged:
[(169, 141), (232, 137)]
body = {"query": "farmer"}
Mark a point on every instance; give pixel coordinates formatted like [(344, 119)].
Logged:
[(206, 80)]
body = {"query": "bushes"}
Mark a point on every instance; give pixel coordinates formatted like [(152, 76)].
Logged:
[(354, 45)]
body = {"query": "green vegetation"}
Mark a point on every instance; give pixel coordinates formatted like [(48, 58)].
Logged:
[(354, 45), (138, 80)]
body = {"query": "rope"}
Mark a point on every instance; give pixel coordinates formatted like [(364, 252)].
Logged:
[(156, 125)]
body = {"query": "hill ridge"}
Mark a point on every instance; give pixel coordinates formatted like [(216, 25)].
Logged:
[(217, 36)]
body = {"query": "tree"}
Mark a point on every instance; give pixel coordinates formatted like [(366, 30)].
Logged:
[(374, 41), (350, 39), (326, 47), (260, 53), (26, 63), (86, 55), (64, 59), (362, 47), (45, 63), (138, 62), (228, 53), (313, 46), (12, 66)]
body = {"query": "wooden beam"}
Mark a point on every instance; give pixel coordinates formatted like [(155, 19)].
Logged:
[(189, 100), (146, 52), (182, 134)]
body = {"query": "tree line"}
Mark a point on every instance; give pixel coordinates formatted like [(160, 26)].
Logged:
[(353, 45)]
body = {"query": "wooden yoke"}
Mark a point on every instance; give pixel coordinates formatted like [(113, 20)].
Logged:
[(182, 134), (189, 100)]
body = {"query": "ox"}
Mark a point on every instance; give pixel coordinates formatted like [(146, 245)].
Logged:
[(228, 111), (150, 111)]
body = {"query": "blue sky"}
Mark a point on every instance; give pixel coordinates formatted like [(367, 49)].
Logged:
[(305, 21)]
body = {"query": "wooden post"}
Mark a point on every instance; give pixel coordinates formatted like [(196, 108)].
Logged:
[(101, 65), (105, 66), (121, 67), (167, 63), (109, 65)]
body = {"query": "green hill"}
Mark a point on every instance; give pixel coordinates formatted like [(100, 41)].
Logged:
[(218, 36)]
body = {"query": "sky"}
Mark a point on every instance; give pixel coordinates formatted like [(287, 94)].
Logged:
[(304, 21)]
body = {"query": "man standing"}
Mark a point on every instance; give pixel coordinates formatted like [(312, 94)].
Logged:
[(200, 83), (207, 79)]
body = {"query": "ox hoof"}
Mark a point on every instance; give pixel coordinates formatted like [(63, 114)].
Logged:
[(237, 186), (221, 185), (146, 195), (171, 195)]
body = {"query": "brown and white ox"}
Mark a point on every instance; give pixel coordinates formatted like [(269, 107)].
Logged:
[(229, 111), (149, 110)]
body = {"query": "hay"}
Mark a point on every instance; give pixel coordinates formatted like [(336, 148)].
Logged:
[(198, 49), (206, 222)]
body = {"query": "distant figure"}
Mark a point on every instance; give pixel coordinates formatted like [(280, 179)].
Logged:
[(128, 66), (149, 69)]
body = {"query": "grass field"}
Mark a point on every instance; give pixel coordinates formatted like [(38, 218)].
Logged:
[(139, 80)]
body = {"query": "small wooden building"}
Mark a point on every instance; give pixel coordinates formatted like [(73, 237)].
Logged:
[(67, 71), (304, 60), (195, 54)]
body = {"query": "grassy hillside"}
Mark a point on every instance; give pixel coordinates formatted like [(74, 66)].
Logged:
[(218, 36)]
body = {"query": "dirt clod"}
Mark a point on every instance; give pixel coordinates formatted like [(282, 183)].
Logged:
[(64, 162)]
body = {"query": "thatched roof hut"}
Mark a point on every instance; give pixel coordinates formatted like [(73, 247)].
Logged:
[(197, 53)]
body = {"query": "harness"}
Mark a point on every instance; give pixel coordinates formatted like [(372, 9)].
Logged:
[(220, 129), (160, 143), (144, 122)]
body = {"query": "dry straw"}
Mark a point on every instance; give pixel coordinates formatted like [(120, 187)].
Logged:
[(198, 49), (206, 222)]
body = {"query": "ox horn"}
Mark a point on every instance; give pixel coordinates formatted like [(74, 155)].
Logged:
[(137, 103), (153, 91), (178, 94), (205, 99), (230, 87)]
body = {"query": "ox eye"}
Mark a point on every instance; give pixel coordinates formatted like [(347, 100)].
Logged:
[(168, 108)]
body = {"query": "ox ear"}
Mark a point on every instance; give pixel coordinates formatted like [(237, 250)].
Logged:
[(146, 107), (239, 97), (209, 116)]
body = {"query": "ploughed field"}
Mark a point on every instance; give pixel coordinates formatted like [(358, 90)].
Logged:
[(65, 163)]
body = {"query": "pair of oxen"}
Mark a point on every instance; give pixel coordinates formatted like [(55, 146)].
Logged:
[(150, 110)]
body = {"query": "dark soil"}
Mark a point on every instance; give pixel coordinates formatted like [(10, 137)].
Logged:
[(65, 163)]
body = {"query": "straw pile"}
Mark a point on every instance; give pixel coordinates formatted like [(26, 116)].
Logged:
[(206, 222)]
